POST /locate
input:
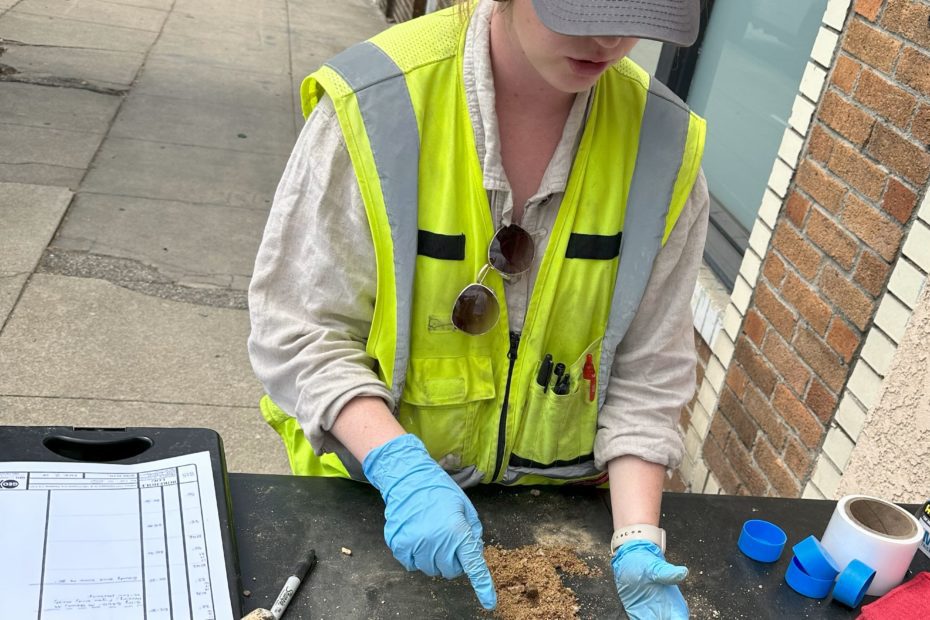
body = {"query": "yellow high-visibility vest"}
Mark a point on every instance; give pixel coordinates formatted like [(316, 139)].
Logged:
[(474, 400)]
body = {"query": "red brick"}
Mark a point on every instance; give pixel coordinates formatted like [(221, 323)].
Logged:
[(820, 145), (737, 380), (809, 428), (777, 313), (909, 19), (820, 401), (755, 366), (845, 73), (684, 418), (796, 249), (913, 70), (869, 224), (871, 273), (822, 359), (720, 429), (743, 425), (786, 361), (675, 484), (857, 170), (807, 302), (758, 407), (754, 326), (773, 269), (830, 238), (871, 45), (843, 339), (720, 467), (702, 348), (852, 302), (775, 470), (821, 186), (845, 118), (796, 208), (899, 201), (797, 458), (920, 128), (868, 8), (749, 474), (900, 154), (888, 100)]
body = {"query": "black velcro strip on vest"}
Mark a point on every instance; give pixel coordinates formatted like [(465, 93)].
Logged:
[(519, 461), (595, 247), (442, 247)]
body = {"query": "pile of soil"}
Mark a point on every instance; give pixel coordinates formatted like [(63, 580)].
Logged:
[(529, 586)]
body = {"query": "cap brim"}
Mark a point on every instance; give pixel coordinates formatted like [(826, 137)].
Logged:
[(673, 21)]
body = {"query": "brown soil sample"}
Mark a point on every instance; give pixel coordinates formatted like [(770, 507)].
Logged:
[(528, 582)]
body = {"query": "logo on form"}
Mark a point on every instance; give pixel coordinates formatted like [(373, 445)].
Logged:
[(9, 484)]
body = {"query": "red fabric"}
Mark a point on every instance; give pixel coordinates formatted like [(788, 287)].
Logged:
[(908, 601)]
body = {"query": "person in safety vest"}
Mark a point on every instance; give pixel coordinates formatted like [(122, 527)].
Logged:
[(478, 268)]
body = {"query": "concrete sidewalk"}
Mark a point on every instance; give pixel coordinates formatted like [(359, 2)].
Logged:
[(140, 145)]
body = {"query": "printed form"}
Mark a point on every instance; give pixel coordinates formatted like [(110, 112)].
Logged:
[(88, 541)]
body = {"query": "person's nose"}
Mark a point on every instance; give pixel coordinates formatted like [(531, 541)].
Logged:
[(608, 42)]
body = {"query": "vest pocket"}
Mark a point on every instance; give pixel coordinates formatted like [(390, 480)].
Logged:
[(440, 405), (557, 430)]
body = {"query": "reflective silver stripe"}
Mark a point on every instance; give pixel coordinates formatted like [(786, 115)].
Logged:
[(662, 139), (391, 125), (570, 472)]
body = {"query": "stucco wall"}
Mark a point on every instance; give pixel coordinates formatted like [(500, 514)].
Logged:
[(892, 457)]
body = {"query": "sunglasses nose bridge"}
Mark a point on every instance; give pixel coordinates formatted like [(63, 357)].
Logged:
[(483, 273)]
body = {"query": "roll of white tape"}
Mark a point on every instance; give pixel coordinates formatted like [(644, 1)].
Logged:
[(876, 532)]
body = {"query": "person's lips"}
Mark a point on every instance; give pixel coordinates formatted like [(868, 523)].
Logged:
[(588, 67)]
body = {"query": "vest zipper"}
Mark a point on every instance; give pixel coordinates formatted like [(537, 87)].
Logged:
[(502, 428)]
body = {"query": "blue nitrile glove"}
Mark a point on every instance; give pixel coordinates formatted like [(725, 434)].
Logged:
[(431, 524), (647, 584)]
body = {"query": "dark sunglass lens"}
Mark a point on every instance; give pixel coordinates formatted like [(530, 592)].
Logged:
[(511, 250), (476, 310)]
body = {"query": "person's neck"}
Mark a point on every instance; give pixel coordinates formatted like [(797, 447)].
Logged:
[(517, 84)]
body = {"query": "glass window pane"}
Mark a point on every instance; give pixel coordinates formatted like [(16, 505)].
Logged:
[(747, 76)]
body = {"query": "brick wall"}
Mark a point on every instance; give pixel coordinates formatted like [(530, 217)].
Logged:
[(837, 236)]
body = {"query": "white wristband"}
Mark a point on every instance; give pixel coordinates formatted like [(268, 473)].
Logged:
[(639, 531)]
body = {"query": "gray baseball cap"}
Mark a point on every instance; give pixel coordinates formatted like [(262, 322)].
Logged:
[(674, 21)]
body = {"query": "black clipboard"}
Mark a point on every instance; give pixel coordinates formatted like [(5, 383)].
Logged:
[(127, 446)]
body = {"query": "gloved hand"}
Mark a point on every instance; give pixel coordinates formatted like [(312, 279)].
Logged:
[(430, 523), (647, 584)]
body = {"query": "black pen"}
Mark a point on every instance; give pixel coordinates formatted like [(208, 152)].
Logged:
[(562, 387), (557, 373), (293, 582), (545, 371)]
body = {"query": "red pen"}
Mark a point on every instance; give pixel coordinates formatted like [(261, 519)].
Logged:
[(591, 376)]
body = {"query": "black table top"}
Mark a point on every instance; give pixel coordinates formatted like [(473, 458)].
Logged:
[(277, 517)]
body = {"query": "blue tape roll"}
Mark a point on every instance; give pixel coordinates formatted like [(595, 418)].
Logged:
[(802, 583), (761, 540), (853, 583), (815, 560)]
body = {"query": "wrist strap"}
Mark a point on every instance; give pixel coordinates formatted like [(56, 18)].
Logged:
[(638, 531)]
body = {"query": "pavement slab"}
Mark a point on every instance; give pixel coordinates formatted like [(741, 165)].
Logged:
[(56, 31), (220, 125), (110, 69), (185, 173), (237, 46), (168, 236), (96, 12), (265, 13), (251, 446), (191, 81), (69, 109), (45, 156), (29, 216), (86, 338)]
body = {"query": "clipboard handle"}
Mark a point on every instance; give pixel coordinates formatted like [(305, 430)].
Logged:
[(103, 450)]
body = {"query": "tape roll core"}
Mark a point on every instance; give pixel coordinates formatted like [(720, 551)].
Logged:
[(882, 518)]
